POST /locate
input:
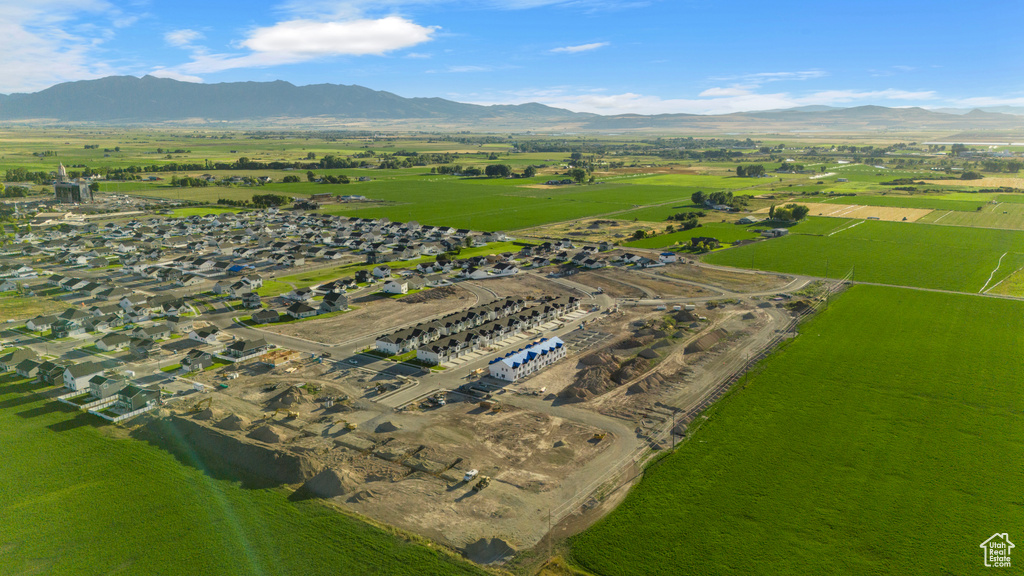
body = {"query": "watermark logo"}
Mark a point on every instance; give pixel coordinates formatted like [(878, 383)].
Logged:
[(997, 550)]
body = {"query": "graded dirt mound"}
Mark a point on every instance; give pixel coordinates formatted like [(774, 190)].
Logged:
[(386, 427), (234, 423), (630, 343), (223, 453), (707, 341), (208, 414), (631, 370), (597, 359), (427, 295), (488, 550), (331, 483), (589, 382), (653, 381), (749, 316), (290, 397), (266, 433)]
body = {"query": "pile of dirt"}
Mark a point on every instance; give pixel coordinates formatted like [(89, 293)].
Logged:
[(631, 370), (208, 414), (488, 550), (331, 483), (590, 382), (597, 359), (707, 341), (648, 354), (387, 427), (685, 316), (266, 433), (630, 343), (661, 344), (434, 294), (651, 382), (234, 423), (749, 316), (290, 397)]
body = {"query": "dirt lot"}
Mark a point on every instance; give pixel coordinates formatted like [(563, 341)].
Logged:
[(372, 310), (392, 462), (528, 286), (627, 283), (892, 214), (734, 281)]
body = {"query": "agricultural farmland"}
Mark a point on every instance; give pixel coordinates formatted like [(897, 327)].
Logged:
[(900, 457), (925, 256), (76, 501)]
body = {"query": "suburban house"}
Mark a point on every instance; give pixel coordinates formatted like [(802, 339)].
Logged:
[(27, 368), (112, 342), (77, 376), (245, 349), (12, 358), (40, 323), (301, 310), (266, 316), (251, 300), (333, 302), (132, 398), (103, 387), (196, 361), (668, 257), (396, 286), (207, 335)]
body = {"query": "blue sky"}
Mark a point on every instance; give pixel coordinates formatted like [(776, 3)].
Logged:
[(604, 56)]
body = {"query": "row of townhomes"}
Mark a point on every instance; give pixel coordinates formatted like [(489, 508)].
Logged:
[(526, 361), (458, 334)]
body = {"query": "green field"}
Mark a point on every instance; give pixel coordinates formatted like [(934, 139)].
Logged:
[(921, 201), (75, 501), (886, 439), (723, 232), (922, 255), (1007, 215)]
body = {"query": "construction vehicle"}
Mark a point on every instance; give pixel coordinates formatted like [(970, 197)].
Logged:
[(437, 399), (598, 437), (470, 475), (287, 414), (202, 404), (483, 483)]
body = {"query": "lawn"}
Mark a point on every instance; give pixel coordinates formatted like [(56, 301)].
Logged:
[(900, 458), (922, 255), (65, 481)]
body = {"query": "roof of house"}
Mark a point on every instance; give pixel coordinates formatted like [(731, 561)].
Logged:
[(539, 348)]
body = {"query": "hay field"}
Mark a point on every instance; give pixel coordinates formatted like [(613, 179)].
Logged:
[(887, 213)]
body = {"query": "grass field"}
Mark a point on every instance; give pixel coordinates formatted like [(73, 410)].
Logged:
[(1007, 215), (22, 308), (202, 211), (806, 470), (75, 501), (920, 201), (926, 256), (724, 233)]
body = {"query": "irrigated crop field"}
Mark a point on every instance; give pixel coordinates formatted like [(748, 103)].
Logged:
[(886, 439), (77, 502), (926, 256)]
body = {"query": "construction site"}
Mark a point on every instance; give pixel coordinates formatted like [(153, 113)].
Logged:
[(466, 459)]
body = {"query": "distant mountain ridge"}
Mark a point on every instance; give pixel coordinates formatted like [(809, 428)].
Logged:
[(150, 100)]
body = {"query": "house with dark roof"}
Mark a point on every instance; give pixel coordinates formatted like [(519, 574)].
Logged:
[(245, 349), (77, 376)]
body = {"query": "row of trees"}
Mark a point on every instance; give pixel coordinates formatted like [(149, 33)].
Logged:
[(722, 198), (789, 212), (752, 171)]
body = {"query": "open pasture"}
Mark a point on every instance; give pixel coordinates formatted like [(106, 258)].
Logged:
[(902, 254), (884, 440), (1005, 215), (75, 501)]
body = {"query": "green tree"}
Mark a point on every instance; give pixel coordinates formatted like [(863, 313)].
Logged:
[(771, 212), (698, 198), (498, 171), (530, 172), (578, 174)]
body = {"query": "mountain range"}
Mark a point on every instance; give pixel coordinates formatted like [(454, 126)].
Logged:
[(148, 100)]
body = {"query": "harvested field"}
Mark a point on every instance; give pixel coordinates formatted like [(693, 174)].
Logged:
[(986, 182), (596, 230), (889, 213), (373, 310), (732, 280)]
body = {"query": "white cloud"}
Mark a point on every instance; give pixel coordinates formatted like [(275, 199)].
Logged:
[(182, 38), (42, 45), (302, 40), (711, 101), (580, 48), (164, 73)]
